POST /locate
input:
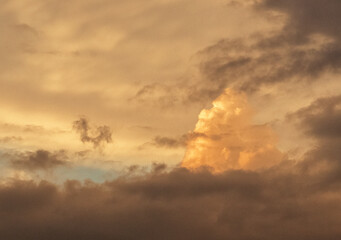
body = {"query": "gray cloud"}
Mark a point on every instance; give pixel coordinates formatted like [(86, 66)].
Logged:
[(94, 135), (308, 17), (321, 119), (273, 65), (289, 55), (305, 48), (169, 142), (176, 205), (38, 160), (176, 142)]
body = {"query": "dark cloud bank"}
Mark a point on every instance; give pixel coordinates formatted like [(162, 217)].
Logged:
[(274, 204), (293, 200)]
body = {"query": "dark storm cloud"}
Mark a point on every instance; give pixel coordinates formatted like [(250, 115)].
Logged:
[(94, 135), (38, 160), (175, 205)]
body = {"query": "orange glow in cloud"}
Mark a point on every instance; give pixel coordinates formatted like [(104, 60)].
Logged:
[(228, 140)]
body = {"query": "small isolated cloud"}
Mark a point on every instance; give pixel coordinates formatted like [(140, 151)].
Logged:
[(176, 142), (168, 142), (92, 134)]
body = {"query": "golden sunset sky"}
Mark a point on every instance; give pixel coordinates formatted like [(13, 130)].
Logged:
[(151, 110)]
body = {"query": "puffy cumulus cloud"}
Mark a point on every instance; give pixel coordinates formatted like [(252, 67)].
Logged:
[(38, 160), (95, 135), (233, 142)]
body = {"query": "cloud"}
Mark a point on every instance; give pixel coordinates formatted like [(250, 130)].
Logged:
[(176, 205), (95, 135), (301, 50), (182, 141), (254, 63), (308, 17), (253, 191), (169, 142), (257, 63), (290, 199), (238, 144), (38, 160), (321, 119)]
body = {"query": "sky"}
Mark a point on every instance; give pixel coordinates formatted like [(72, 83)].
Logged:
[(170, 119)]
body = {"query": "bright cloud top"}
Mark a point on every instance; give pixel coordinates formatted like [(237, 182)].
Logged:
[(229, 140)]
